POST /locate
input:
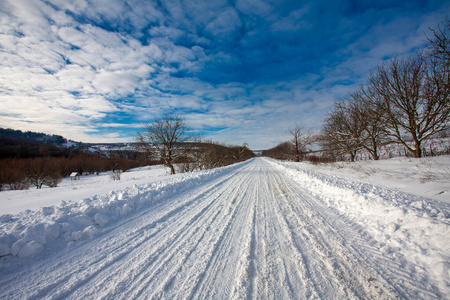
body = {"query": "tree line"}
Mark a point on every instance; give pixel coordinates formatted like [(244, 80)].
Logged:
[(406, 101), (170, 140), (22, 173)]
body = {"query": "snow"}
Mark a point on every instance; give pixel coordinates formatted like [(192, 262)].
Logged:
[(428, 177), (12, 202), (30, 248), (406, 225), (101, 219), (258, 229)]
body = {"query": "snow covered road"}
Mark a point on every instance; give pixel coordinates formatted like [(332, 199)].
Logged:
[(252, 232)]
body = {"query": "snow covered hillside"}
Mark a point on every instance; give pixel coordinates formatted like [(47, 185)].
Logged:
[(258, 229)]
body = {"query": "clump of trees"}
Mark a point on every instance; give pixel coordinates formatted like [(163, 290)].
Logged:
[(21, 173), (170, 140), (282, 151), (352, 125), (12, 174), (406, 101), (204, 155), (42, 171), (31, 144), (296, 148)]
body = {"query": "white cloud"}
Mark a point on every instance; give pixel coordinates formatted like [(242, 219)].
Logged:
[(115, 83), (55, 73)]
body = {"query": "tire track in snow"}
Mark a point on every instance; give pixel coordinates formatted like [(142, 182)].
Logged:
[(337, 251), (150, 258), (223, 272), (283, 261), (353, 253), (313, 246), (196, 252)]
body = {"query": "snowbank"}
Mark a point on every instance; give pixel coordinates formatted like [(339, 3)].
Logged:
[(30, 232), (428, 177), (409, 227)]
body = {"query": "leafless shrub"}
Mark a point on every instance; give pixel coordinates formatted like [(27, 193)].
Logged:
[(116, 175)]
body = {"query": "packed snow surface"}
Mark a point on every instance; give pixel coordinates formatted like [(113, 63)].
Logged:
[(261, 229)]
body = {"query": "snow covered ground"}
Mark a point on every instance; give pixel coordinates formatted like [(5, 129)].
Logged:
[(12, 202), (428, 177), (259, 229)]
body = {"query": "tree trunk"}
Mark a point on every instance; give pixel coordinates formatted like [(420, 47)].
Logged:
[(375, 155), (297, 152), (352, 156), (172, 169), (418, 150)]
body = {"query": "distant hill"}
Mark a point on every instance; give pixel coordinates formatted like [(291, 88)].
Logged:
[(15, 143), (33, 136), (28, 144)]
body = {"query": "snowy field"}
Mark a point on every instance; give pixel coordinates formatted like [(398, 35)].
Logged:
[(12, 202), (261, 229)]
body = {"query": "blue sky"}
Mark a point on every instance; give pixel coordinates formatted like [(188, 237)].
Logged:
[(237, 71)]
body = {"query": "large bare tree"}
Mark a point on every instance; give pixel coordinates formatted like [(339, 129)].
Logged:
[(413, 95), (164, 139)]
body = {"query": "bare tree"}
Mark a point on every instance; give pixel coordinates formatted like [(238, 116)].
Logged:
[(413, 96), (343, 128), (372, 130), (42, 171), (164, 139), (439, 47), (300, 140)]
